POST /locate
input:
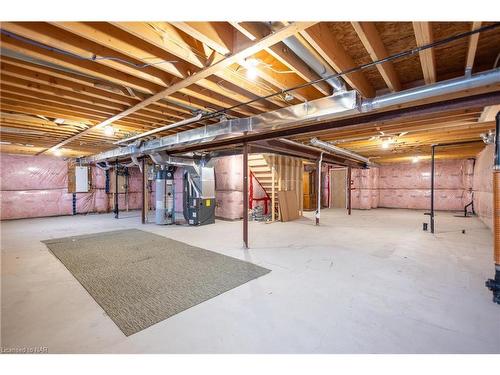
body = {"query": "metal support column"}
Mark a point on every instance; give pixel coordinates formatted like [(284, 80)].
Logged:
[(494, 284), (245, 195), (116, 189), (349, 189), (432, 186), (144, 211)]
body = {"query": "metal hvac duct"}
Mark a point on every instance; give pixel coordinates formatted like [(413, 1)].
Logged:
[(321, 69), (338, 150), (338, 105), (314, 62)]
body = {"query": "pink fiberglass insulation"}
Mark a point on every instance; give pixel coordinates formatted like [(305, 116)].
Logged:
[(229, 204), (483, 185), (229, 187), (36, 186), (364, 195), (408, 185), (23, 172), (229, 173)]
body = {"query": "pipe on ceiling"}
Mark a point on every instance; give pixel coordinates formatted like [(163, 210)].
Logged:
[(338, 150)]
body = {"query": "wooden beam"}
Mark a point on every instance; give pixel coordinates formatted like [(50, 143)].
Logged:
[(79, 86), (471, 50), (204, 73), (216, 35), (325, 43), (489, 113), (369, 36), (256, 30), (165, 36), (116, 39), (423, 36), (148, 79)]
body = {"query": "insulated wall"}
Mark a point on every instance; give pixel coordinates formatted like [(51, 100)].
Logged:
[(483, 185), (408, 185), (35, 186)]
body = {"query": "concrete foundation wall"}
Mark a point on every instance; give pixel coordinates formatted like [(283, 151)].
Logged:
[(483, 185)]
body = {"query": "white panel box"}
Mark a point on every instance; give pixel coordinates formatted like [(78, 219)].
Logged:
[(81, 179)]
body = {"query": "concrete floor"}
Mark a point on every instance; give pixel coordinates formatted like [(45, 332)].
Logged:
[(373, 282)]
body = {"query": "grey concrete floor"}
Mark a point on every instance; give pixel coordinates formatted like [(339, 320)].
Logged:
[(373, 282)]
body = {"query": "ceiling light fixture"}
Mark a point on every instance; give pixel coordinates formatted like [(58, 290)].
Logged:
[(415, 159), (59, 121), (57, 152), (109, 130), (386, 143), (250, 65)]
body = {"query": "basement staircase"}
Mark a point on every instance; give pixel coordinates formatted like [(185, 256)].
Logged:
[(261, 168)]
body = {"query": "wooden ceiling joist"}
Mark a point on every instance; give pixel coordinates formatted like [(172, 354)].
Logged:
[(256, 30), (143, 75), (423, 36), (369, 36), (471, 49), (165, 36), (321, 39), (206, 72)]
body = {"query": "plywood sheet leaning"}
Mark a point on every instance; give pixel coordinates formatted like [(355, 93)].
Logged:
[(289, 207)]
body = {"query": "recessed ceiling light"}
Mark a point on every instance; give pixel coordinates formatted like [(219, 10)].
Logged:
[(59, 121), (57, 152), (415, 159)]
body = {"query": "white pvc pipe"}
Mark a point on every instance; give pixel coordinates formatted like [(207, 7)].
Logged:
[(318, 210)]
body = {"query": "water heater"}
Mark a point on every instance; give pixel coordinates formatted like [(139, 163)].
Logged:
[(165, 195)]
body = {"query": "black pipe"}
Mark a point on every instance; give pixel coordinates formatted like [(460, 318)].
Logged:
[(116, 189), (432, 172), (432, 186)]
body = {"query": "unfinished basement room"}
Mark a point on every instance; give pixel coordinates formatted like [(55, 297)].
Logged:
[(250, 187)]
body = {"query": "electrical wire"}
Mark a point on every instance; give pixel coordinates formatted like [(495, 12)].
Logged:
[(80, 57), (358, 68)]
